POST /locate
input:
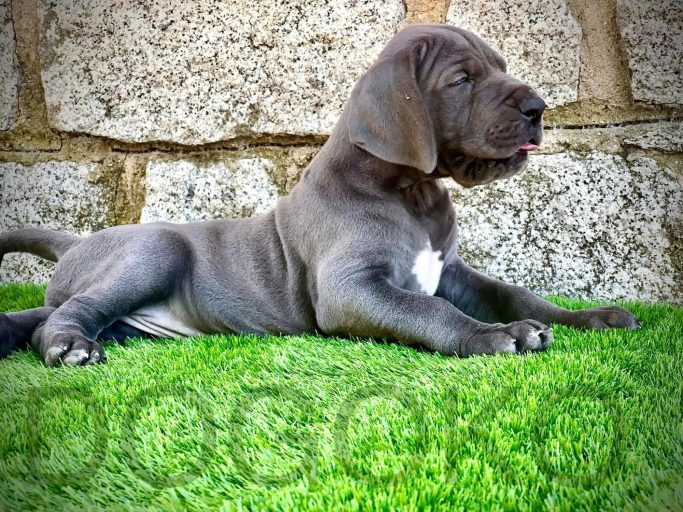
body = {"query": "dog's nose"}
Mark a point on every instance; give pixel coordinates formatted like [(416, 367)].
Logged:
[(532, 107)]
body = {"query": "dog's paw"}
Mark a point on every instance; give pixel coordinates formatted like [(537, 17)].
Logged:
[(73, 350), (515, 338), (604, 318)]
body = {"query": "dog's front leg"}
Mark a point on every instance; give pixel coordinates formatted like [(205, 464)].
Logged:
[(491, 300), (367, 304)]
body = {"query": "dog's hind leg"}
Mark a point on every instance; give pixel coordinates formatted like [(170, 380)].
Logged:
[(147, 271), (68, 336), (16, 328)]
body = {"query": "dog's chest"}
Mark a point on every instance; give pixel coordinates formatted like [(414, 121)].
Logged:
[(429, 232), (427, 268)]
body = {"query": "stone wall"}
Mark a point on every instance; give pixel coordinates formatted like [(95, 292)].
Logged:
[(120, 111)]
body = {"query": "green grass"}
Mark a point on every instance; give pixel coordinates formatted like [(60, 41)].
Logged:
[(239, 422)]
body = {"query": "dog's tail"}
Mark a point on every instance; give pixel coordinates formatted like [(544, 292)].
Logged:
[(45, 243)]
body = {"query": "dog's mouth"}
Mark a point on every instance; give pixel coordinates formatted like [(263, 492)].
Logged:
[(528, 146), (532, 144), (472, 171)]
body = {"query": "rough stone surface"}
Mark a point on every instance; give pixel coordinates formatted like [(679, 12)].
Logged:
[(426, 11), (596, 227), (541, 41), (289, 165), (186, 191), (195, 72), (604, 76), (66, 196), (652, 31), (662, 136), (9, 70)]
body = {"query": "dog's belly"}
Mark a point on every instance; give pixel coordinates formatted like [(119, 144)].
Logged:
[(160, 320)]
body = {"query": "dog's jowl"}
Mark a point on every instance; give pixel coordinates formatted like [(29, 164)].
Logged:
[(366, 243)]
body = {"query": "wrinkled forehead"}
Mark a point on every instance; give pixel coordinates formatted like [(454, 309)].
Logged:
[(464, 42), (447, 44)]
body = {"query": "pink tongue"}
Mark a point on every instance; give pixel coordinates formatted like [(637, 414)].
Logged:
[(529, 147)]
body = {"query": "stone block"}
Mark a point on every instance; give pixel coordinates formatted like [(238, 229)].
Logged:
[(652, 32), (663, 136), (9, 69), (194, 72), (65, 196), (599, 226), (666, 137), (190, 191), (541, 41)]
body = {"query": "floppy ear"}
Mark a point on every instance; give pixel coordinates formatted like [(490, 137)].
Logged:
[(388, 117)]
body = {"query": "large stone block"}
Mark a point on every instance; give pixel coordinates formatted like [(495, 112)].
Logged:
[(66, 196), (189, 191), (652, 31), (9, 70), (541, 41), (599, 226), (666, 137), (193, 71), (662, 136)]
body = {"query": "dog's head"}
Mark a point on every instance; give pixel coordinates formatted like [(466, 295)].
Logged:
[(439, 99)]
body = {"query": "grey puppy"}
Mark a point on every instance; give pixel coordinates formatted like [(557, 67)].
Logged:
[(366, 243)]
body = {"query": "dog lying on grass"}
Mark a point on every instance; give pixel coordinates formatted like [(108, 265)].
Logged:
[(366, 243)]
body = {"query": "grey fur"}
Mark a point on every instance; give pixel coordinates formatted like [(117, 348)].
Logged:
[(335, 256)]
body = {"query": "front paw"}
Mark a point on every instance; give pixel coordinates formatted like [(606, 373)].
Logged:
[(604, 318), (516, 337)]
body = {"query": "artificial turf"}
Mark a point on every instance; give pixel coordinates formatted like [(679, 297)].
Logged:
[(312, 423)]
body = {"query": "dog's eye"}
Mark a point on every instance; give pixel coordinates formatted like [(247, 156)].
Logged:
[(460, 80)]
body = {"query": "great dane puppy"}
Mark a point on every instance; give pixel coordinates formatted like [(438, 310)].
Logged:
[(365, 244)]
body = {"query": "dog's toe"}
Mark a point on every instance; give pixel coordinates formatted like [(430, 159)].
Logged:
[(53, 355), (513, 338), (75, 357), (606, 318), (73, 350), (530, 335)]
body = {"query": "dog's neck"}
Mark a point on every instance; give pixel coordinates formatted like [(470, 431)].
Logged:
[(342, 162)]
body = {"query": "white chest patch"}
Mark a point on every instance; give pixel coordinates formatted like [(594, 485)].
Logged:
[(427, 269), (159, 320)]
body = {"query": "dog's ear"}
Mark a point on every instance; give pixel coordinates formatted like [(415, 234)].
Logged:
[(387, 114)]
